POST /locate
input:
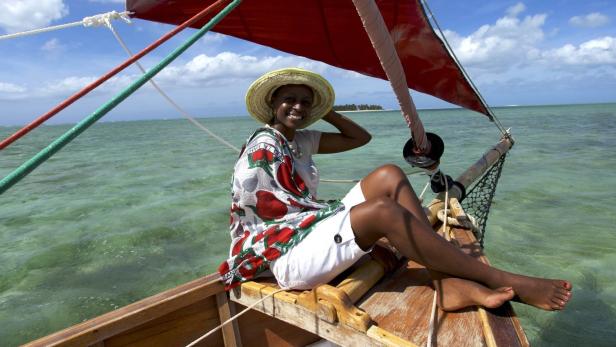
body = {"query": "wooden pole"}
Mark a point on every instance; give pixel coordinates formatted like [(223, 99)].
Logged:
[(469, 176)]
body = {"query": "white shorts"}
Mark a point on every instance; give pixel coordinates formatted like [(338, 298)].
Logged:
[(328, 250)]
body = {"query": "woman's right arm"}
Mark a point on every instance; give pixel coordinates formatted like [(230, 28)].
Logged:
[(351, 135)]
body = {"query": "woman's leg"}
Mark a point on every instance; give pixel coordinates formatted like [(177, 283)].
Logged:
[(390, 181), (393, 211), (453, 293)]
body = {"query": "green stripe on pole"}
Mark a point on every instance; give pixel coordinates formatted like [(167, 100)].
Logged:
[(67, 137)]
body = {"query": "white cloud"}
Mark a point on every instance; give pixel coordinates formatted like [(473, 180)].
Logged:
[(63, 87), (515, 52), (52, 45), (591, 20), (72, 84), (518, 42), (66, 85), (595, 52), (226, 68), (506, 42), (10, 91), (212, 38), (516, 9), (20, 15), (348, 74)]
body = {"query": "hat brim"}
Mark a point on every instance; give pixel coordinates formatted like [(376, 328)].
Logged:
[(259, 94)]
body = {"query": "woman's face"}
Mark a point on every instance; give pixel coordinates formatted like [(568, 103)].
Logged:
[(291, 104)]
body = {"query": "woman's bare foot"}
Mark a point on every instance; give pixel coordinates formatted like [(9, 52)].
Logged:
[(457, 293), (546, 294)]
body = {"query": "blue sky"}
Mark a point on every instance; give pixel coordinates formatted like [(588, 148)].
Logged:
[(518, 53)]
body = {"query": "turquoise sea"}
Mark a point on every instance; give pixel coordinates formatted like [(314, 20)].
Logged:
[(133, 208)]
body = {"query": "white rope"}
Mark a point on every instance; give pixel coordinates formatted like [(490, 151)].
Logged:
[(185, 114), (433, 316), (470, 222), (432, 321), (105, 19), (424, 190), (445, 224), (234, 317), (358, 180), (86, 22)]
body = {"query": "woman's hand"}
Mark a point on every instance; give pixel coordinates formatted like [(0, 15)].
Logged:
[(351, 134)]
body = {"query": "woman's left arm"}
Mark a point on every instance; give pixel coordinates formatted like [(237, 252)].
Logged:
[(351, 134)]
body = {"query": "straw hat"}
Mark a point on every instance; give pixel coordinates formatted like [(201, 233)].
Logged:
[(259, 94)]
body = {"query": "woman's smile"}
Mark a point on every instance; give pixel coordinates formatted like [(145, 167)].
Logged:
[(295, 116), (291, 105)]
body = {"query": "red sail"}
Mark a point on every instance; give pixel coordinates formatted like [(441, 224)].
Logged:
[(331, 31)]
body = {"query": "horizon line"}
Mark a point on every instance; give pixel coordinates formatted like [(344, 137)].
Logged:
[(350, 111)]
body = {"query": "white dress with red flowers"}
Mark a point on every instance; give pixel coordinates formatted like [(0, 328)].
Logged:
[(272, 210)]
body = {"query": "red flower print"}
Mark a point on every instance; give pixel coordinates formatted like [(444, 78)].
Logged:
[(282, 236), (285, 176), (237, 247), (265, 233), (262, 154), (297, 204), (271, 254), (223, 268), (300, 182), (255, 262), (246, 273), (269, 207), (308, 221)]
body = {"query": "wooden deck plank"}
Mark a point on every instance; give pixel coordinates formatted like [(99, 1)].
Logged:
[(303, 318), (402, 304), (504, 323)]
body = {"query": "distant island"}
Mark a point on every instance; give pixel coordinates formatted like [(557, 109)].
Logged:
[(353, 107)]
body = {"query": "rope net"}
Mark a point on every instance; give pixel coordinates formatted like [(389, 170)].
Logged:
[(479, 198)]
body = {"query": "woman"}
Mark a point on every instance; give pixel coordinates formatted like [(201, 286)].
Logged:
[(278, 224)]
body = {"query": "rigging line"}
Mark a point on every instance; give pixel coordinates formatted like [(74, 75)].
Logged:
[(424, 190), (67, 137), (358, 180), (447, 236), (26, 129), (466, 75), (95, 20), (433, 318), (235, 317), (166, 96)]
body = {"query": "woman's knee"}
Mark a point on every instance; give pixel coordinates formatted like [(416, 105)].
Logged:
[(391, 178), (385, 180), (390, 172), (386, 210), (373, 218)]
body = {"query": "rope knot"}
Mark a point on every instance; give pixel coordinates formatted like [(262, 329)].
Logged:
[(466, 222), (105, 19)]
